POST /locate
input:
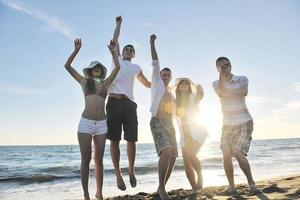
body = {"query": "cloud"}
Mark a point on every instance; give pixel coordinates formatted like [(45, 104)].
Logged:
[(20, 90), (296, 86), (52, 23), (290, 106)]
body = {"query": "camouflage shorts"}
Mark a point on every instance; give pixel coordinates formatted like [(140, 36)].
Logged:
[(163, 133), (237, 137)]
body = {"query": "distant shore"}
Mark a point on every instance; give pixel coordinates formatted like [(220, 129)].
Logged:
[(286, 187)]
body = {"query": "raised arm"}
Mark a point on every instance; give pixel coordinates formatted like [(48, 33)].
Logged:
[(70, 69), (112, 48), (199, 94), (220, 87), (240, 91), (153, 49), (117, 34), (155, 62)]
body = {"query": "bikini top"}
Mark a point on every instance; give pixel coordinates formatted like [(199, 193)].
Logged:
[(103, 91)]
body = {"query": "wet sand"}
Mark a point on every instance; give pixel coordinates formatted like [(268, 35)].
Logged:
[(281, 188)]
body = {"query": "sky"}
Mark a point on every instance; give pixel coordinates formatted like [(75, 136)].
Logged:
[(40, 103)]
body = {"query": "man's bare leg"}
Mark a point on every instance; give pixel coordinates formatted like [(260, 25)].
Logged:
[(170, 169), (228, 167), (245, 167), (163, 165), (131, 152), (115, 156)]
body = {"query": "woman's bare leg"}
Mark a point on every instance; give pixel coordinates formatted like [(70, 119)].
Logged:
[(85, 140), (99, 146), (189, 170)]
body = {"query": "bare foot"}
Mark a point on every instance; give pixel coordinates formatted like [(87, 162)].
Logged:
[(132, 180), (163, 194), (99, 196), (199, 185), (86, 197), (230, 191), (156, 193), (120, 183), (196, 190), (253, 189)]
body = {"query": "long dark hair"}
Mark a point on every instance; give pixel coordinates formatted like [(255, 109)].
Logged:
[(90, 84), (179, 96)]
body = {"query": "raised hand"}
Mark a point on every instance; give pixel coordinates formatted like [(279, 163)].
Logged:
[(153, 49), (112, 46), (152, 38), (199, 90), (71, 70), (119, 20), (77, 43)]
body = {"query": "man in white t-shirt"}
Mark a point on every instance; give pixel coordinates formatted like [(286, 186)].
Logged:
[(121, 109), (237, 122)]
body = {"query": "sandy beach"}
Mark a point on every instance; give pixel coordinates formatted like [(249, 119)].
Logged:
[(279, 188)]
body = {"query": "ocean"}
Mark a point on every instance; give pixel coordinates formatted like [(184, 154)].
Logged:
[(53, 172)]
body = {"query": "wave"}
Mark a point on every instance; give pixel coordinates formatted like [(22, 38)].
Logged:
[(71, 172), (32, 179), (285, 148)]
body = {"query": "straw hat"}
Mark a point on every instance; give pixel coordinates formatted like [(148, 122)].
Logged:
[(86, 71), (192, 84)]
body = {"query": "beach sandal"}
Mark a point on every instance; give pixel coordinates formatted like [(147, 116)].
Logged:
[(132, 180), (120, 183)]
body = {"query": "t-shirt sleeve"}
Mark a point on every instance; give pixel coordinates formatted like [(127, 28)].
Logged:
[(138, 69), (243, 89), (244, 82), (155, 71), (215, 85)]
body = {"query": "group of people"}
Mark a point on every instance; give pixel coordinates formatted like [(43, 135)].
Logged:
[(121, 113)]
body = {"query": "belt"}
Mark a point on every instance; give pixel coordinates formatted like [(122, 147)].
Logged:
[(118, 96)]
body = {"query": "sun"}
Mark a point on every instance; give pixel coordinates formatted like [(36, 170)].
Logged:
[(210, 117)]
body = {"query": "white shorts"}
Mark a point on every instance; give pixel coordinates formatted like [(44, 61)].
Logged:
[(92, 127)]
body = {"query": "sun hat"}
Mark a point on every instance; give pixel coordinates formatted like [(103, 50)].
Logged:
[(192, 84), (86, 71)]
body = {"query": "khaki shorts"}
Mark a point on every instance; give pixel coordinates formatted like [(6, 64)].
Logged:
[(237, 137), (163, 133)]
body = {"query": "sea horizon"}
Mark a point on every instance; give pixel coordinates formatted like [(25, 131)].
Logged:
[(124, 142)]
